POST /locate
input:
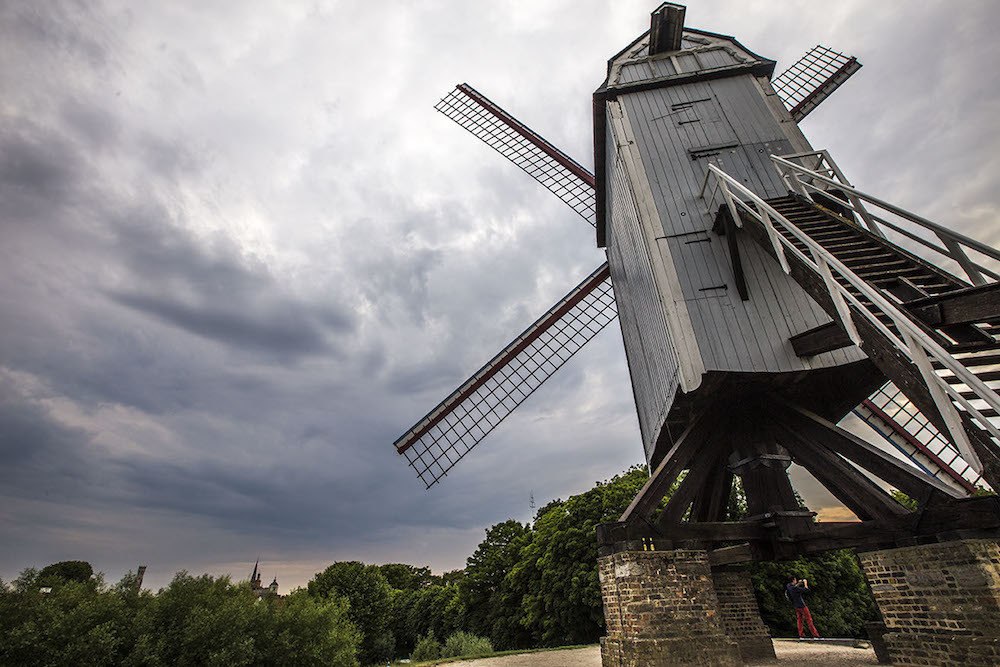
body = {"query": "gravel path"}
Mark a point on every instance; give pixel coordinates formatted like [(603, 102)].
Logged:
[(789, 653)]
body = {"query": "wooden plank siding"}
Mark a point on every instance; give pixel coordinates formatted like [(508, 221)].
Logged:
[(674, 281), (651, 356), (749, 336)]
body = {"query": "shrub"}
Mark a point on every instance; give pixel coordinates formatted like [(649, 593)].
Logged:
[(427, 648), (466, 645)]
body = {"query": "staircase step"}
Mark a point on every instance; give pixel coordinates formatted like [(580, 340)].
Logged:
[(833, 235), (972, 347), (873, 263), (985, 376), (987, 412), (970, 395), (974, 362), (860, 243)]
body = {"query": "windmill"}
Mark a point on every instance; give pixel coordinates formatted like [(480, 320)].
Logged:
[(761, 298)]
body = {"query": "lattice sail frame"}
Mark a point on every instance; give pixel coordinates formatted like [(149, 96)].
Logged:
[(559, 173), (448, 432), (813, 78), (442, 437), (891, 414)]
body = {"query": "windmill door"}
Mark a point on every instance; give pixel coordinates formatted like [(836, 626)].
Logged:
[(701, 134)]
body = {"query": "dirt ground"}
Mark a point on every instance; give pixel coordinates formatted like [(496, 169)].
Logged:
[(789, 653)]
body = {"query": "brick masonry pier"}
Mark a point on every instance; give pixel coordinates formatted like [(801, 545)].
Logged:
[(940, 602), (660, 608), (740, 614)]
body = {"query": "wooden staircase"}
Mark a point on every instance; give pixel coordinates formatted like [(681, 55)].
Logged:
[(962, 318)]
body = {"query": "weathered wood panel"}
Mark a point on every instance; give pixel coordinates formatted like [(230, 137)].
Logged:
[(679, 131), (651, 356)]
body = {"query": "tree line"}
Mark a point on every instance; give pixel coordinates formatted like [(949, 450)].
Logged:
[(530, 585), (526, 585)]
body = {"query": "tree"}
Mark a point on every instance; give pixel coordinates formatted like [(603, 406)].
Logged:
[(405, 577), (79, 571), (840, 600), (557, 569), (200, 620), (492, 609), (370, 599), (78, 623), (299, 630)]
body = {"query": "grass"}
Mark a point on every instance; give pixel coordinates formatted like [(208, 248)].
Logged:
[(495, 654)]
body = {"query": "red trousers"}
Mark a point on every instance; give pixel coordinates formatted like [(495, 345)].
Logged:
[(804, 615)]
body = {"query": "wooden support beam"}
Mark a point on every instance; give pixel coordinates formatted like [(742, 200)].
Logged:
[(738, 553), (964, 306), (715, 531), (858, 493), (701, 469), (713, 499), (909, 480), (824, 338), (676, 459), (762, 467)]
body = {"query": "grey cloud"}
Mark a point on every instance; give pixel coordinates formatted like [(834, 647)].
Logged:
[(281, 330), (34, 163), (252, 268), (42, 458)]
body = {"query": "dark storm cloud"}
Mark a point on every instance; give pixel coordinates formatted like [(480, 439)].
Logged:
[(41, 458), (241, 254), (216, 293), (37, 171)]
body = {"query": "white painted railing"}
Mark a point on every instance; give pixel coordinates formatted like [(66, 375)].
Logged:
[(911, 340), (816, 172)]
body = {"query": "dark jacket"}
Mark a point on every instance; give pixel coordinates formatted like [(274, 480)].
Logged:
[(796, 594)]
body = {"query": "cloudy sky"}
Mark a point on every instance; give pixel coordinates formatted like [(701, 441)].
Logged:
[(240, 254)]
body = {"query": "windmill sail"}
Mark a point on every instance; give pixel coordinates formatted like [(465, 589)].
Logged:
[(442, 437), (460, 422), (561, 174), (812, 79), (903, 426)]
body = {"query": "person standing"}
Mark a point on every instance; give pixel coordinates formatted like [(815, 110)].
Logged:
[(795, 591)]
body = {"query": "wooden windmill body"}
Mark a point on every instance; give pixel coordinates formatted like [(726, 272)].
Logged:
[(760, 298), (694, 329)]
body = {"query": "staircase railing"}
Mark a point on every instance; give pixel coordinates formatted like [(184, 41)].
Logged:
[(911, 339), (816, 172)]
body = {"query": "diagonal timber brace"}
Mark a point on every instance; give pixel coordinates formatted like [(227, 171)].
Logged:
[(755, 438)]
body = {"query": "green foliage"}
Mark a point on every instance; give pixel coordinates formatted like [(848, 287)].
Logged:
[(79, 571), (435, 610), (904, 500), (492, 601), (839, 600), (466, 645), (78, 623), (370, 598), (405, 577), (193, 621), (557, 570), (427, 648)]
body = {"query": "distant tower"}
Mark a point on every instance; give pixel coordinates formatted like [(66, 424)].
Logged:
[(255, 576), (274, 586)]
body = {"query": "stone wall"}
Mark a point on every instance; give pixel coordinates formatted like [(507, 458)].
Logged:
[(740, 614), (660, 608), (940, 602)]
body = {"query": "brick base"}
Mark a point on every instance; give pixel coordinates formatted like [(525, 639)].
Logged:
[(741, 616), (942, 650), (660, 609), (940, 602), (647, 652)]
